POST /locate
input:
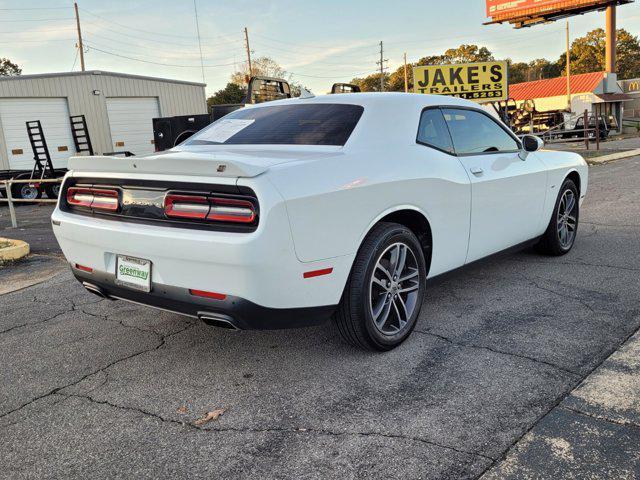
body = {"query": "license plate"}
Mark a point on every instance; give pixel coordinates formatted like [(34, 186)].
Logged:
[(132, 272)]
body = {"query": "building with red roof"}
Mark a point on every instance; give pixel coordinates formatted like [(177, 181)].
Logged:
[(598, 92)]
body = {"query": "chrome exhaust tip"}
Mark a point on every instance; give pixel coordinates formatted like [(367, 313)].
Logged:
[(218, 320), (95, 289)]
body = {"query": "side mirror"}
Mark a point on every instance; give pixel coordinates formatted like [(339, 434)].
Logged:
[(530, 143)]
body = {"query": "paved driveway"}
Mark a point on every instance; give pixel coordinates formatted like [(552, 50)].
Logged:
[(109, 389)]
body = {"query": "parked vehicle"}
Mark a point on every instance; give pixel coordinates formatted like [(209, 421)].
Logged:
[(578, 129), (286, 213)]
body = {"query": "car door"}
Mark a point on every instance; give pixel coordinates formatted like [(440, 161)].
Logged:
[(507, 192), (446, 192)]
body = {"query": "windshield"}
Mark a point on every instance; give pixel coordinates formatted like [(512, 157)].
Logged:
[(305, 124)]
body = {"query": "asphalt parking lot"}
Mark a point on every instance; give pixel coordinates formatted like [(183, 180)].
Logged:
[(484, 386)]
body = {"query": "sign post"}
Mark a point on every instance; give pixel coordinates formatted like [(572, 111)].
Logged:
[(480, 82)]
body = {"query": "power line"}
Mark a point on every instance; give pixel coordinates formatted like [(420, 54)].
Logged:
[(195, 8), (160, 34), (37, 20), (35, 8), (91, 47)]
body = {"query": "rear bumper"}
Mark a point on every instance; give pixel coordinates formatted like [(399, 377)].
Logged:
[(232, 312)]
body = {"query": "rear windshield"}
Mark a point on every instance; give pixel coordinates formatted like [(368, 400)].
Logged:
[(306, 124)]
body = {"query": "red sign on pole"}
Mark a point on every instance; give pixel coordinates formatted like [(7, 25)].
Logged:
[(524, 13)]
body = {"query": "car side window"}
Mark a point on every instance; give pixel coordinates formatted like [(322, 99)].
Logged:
[(474, 132), (433, 130)]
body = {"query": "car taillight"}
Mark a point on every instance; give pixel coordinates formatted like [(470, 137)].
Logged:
[(209, 208), (96, 198), (186, 206), (231, 210)]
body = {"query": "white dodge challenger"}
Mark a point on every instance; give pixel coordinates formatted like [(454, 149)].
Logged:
[(288, 213)]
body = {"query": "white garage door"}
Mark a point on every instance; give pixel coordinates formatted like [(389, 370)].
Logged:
[(53, 114), (130, 123)]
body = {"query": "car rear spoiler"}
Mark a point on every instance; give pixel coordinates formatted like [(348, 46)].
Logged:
[(170, 163)]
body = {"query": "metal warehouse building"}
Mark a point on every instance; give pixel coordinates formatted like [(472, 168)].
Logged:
[(118, 109)]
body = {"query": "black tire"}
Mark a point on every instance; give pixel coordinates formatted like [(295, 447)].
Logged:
[(354, 316), (52, 190), (24, 190), (553, 242)]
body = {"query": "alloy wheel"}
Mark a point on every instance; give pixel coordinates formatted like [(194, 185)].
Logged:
[(28, 192), (394, 288), (567, 221)]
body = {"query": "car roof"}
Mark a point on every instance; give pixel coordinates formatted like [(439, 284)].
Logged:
[(376, 99)]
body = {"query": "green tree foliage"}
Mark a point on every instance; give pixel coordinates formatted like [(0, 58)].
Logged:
[(265, 67), (394, 82), (8, 68), (232, 93), (538, 69), (587, 54)]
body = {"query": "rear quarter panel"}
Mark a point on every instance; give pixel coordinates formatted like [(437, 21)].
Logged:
[(333, 203)]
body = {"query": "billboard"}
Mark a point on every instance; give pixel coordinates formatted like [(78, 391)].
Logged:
[(523, 13), (480, 82)]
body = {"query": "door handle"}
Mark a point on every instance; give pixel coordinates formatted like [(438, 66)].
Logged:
[(476, 170)]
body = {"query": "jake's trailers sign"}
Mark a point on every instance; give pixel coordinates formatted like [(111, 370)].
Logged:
[(480, 82)]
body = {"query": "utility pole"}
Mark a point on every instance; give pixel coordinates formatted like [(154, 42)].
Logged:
[(382, 67), (610, 57), (246, 38), (80, 46), (568, 72), (406, 79), (195, 9)]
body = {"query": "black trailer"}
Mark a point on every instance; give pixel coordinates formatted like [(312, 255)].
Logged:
[(170, 131)]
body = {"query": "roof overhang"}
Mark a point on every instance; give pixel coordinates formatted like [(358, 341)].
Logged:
[(612, 97)]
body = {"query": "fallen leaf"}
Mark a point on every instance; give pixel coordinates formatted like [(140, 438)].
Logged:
[(210, 416), (182, 410)]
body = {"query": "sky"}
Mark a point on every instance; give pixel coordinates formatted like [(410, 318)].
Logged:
[(317, 42)]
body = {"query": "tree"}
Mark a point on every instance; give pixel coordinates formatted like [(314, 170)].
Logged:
[(538, 69), (265, 67), (232, 93), (587, 54), (8, 68), (394, 82), (371, 83)]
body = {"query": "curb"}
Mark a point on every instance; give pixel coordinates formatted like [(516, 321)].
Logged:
[(614, 156), (15, 251)]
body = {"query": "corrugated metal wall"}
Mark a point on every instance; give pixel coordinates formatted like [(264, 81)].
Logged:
[(175, 98)]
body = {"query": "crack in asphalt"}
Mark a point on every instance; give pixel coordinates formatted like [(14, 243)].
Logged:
[(501, 352), (600, 417), (610, 225), (292, 430), (57, 390), (559, 294)]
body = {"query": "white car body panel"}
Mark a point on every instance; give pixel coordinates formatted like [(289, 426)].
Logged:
[(317, 204)]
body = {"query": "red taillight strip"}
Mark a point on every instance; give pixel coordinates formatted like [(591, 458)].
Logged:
[(186, 206), (210, 208), (231, 210), (83, 268), (98, 198), (317, 273), (205, 294)]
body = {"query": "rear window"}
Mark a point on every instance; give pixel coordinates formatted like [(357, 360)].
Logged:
[(306, 124)]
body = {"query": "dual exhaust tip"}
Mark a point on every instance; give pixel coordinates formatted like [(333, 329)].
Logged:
[(210, 318)]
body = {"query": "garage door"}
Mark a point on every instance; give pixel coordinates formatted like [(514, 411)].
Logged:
[(53, 114), (131, 125)]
